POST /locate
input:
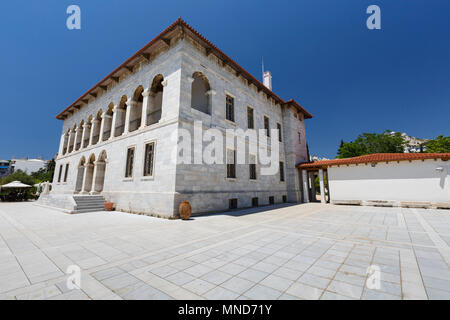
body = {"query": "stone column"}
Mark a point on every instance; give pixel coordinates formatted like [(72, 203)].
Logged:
[(77, 133), (94, 178), (322, 187), (70, 138), (87, 177), (114, 122), (210, 94), (83, 136), (102, 127), (61, 145), (93, 127), (145, 107), (127, 117), (305, 186)]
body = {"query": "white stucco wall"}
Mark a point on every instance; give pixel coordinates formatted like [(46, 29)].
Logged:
[(403, 181)]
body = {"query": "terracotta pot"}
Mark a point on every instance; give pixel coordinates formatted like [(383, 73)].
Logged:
[(109, 206), (185, 210)]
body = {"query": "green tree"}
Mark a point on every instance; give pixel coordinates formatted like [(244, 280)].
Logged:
[(18, 175), (439, 145), (368, 143), (45, 174)]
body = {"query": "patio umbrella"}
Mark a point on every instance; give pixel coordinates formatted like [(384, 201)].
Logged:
[(15, 185)]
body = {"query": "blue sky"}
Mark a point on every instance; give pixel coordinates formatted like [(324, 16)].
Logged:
[(320, 52)]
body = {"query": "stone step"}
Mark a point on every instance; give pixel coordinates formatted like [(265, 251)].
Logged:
[(89, 210), (88, 203)]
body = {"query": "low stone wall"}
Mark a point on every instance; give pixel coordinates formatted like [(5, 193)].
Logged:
[(64, 202), (146, 203)]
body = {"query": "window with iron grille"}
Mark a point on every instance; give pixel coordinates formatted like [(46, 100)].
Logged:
[(252, 168), (279, 132), (281, 171), (250, 120), (60, 173), (231, 163), (233, 203), (230, 108), (148, 159), (129, 164), (66, 172), (267, 126)]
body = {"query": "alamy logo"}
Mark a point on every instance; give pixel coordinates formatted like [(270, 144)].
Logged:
[(374, 20), (374, 277), (235, 146), (74, 279), (74, 20)]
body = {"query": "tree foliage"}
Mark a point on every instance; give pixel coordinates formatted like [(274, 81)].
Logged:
[(439, 145), (45, 174), (18, 175), (368, 143)]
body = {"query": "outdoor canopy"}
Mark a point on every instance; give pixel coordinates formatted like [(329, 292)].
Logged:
[(15, 184)]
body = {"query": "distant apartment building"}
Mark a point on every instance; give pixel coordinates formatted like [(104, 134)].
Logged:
[(28, 165), (4, 167)]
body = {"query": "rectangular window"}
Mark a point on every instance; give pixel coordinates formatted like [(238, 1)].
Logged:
[(252, 168), (284, 199), (251, 122), (299, 137), (272, 200), (279, 132), (148, 159), (233, 203), (230, 108), (254, 202), (129, 164), (66, 172), (267, 126), (60, 173), (231, 163), (281, 171)]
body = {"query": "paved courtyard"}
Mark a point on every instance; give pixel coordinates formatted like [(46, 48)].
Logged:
[(311, 251)]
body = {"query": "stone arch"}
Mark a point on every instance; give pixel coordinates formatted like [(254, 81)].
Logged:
[(78, 136), (120, 117), (200, 93), (136, 109), (66, 141), (72, 138), (96, 126), (100, 171), (87, 131), (155, 100), (80, 175), (88, 174), (108, 114)]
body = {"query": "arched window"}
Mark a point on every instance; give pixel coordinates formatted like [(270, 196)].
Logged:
[(155, 100), (136, 112), (200, 93), (121, 114), (108, 122)]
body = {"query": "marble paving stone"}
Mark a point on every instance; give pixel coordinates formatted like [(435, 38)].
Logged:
[(309, 251)]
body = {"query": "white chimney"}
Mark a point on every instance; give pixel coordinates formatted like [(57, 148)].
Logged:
[(267, 79)]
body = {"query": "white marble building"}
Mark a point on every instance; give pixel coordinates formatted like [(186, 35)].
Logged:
[(116, 137)]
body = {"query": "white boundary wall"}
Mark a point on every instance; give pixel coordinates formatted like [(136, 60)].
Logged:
[(404, 181)]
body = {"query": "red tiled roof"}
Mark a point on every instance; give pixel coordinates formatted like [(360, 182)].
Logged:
[(376, 157), (212, 47)]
